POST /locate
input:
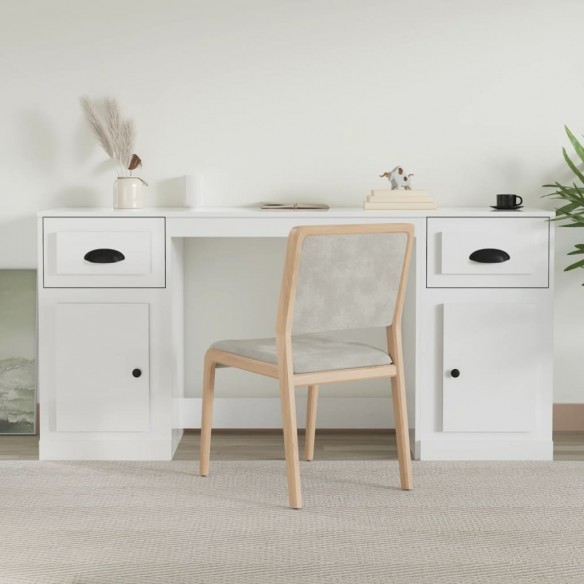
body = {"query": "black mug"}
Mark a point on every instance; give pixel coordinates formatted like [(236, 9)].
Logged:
[(509, 201)]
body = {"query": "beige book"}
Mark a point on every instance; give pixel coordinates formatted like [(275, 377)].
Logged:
[(399, 206), (405, 199), (295, 206), (383, 195)]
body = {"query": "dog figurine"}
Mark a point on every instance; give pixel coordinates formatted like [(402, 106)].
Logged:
[(398, 179)]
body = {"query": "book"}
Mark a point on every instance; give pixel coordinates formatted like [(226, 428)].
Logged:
[(294, 206), (400, 206), (406, 199), (388, 195)]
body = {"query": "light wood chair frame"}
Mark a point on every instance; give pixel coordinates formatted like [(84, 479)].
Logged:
[(288, 380)]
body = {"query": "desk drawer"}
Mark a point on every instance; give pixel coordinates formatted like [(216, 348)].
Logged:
[(506, 252), (107, 252)]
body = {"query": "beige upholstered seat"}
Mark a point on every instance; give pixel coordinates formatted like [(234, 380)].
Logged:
[(310, 353), (336, 277)]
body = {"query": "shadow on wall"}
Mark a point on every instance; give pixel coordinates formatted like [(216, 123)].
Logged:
[(80, 196), (168, 192), (44, 155), (38, 141)]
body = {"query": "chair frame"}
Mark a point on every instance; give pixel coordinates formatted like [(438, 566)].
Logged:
[(288, 380)]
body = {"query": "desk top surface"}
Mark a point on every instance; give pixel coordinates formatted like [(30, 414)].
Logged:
[(255, 212)]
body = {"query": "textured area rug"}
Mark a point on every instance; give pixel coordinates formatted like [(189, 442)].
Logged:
[(158, 522)]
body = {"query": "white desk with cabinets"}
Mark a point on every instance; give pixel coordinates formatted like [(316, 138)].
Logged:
[(477, 331)]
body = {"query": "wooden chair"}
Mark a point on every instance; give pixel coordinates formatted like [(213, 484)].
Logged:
[(336, 277)]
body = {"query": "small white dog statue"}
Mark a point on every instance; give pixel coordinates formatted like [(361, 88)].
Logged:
[(398, 179)]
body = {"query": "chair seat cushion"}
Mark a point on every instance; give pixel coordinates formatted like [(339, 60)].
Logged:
[(310, 353)]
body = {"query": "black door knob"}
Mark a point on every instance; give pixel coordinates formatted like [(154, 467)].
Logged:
[(455, 373), (136, 373)]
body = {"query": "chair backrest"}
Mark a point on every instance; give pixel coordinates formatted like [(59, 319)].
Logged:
[(344, 277)]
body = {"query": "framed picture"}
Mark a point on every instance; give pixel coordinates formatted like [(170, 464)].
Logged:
[(17, 351)]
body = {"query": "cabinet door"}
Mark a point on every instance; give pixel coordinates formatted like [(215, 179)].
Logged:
[(496, 350), (102, 373)]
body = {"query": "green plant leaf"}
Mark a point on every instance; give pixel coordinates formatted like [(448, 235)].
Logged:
[(579, 264), (574, 190), (576, 217), (574, 193), (572, 211), (569, 211), (577, 146), (570, 217), (572, 166), (565, 210), (568, 208)]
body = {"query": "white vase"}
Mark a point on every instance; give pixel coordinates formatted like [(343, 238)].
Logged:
[(128, 192)]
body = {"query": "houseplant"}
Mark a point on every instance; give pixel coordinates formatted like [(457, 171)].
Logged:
[(573, 196), (117, 136)]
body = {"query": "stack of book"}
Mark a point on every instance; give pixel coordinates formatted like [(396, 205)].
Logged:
[(399, 199), (294, 206)]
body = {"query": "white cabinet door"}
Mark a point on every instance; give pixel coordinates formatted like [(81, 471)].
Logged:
[(102, 367), (491, 367)]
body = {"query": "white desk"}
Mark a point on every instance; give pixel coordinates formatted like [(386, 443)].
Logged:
[(110, 367)]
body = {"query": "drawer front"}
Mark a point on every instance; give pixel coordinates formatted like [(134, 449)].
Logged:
[(104, 253), (488, 253)]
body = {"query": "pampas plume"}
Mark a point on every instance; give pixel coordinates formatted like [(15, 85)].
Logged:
[(97, 126), (126, 142), (115, 135)]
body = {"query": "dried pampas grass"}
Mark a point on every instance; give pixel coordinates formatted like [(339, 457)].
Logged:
[(115, 135), (96, 125)]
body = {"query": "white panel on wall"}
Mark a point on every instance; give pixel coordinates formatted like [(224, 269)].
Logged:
[(18, 352)]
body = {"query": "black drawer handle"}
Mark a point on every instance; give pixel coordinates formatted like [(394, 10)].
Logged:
[(489, 256), (104, 256)]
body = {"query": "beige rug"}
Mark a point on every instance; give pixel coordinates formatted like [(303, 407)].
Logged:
[(155, 522)]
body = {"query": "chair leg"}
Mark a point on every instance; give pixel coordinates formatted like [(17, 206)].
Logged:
[(400, 413), (288, 403), (207, 416), (400, 410), (310, 422)]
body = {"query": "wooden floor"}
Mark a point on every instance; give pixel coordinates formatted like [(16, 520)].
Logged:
[(269, 445)]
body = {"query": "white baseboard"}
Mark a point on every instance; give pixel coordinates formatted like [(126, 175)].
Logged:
[(111, 449), (264, 413), (484, 450)]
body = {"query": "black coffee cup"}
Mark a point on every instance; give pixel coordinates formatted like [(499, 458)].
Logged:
[(509, 201)]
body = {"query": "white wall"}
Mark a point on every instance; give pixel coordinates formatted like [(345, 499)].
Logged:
[(292, 99)]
